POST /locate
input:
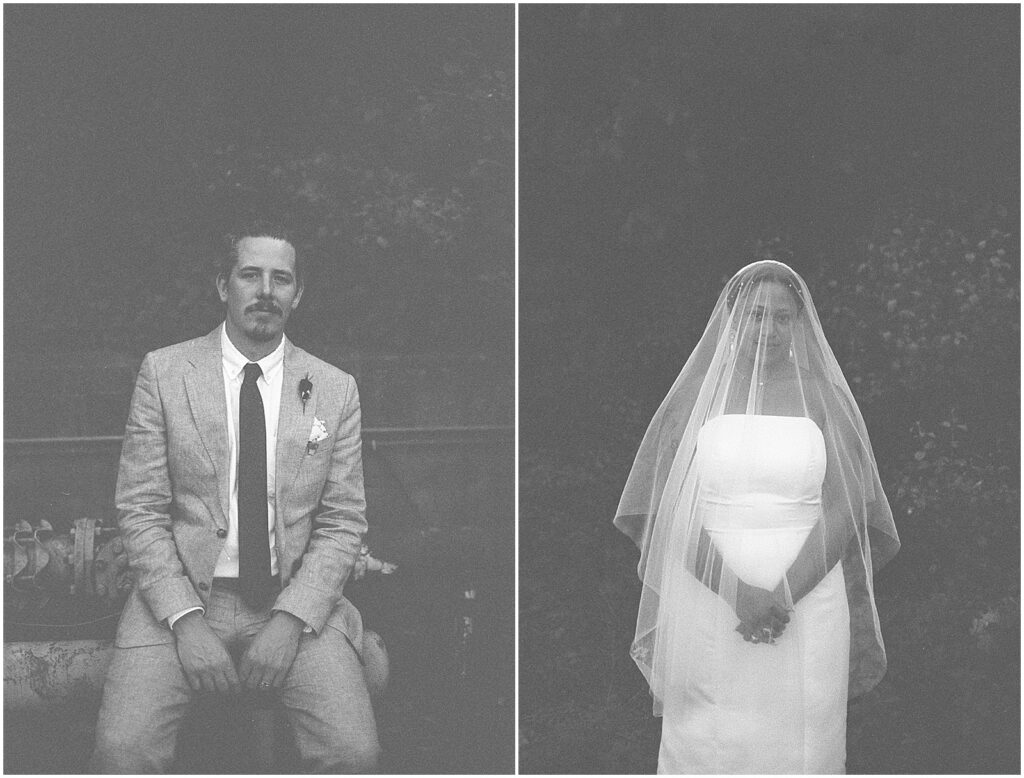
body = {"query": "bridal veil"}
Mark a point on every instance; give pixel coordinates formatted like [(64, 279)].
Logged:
[(763, 353)]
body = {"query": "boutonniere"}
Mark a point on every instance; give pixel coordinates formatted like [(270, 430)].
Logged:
[(316, 434), (305, 391)]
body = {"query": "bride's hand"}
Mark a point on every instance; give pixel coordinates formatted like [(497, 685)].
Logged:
[(763, 617), (764, 632)]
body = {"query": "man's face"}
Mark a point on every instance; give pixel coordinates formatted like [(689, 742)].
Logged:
[(262, 290)]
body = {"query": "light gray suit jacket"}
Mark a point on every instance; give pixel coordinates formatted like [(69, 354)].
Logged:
[(172, 490)]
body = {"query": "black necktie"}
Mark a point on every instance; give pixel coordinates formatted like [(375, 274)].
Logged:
[(253, 536)]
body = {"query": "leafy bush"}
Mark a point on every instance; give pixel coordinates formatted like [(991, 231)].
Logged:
[(932, 303), (958, 510)]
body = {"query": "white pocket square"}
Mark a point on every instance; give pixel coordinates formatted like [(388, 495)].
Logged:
[(316, 434)]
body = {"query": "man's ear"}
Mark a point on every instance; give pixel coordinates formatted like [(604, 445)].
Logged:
[(222, 287), (298, 296)]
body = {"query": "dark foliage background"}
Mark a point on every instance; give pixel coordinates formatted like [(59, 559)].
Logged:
[(134, 136), (134, 133), (662, 148)]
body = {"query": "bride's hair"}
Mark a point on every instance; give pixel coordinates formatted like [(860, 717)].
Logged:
[(775, 272)]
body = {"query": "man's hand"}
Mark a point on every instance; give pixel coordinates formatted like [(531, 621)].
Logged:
[(270, 655), (204, 658)]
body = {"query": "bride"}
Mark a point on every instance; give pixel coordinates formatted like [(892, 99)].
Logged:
[(756, 504)]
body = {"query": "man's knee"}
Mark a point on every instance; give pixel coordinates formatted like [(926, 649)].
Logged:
[(144, 701), (367, 758), (115, 753), (345, 746), (362, 756)]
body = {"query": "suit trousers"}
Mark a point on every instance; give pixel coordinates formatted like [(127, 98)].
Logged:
[(146, 698)]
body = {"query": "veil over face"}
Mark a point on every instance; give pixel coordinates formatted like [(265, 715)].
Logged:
[(763, 353)]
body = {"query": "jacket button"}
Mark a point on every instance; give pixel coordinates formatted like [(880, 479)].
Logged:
[(222, 533), (203, 587)]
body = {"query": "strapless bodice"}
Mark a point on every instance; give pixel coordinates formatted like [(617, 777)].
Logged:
[(760, 471)]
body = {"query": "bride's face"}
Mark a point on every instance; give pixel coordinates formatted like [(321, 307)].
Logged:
[(770, 315)]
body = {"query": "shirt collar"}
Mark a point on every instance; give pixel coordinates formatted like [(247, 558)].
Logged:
[(235, 361)]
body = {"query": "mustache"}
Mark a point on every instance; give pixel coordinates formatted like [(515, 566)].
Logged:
[(264, 306)]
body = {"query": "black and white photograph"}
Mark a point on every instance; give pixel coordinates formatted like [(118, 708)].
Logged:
[(511, 388), (769, 373), (259, 388)]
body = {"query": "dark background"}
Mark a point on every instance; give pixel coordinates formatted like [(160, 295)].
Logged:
[(132, 133), (134, 136), (876, 150)]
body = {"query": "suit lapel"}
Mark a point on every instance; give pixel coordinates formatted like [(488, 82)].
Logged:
[(204, 384), (294, 422)]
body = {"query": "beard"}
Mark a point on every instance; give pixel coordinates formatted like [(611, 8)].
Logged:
[(261, 331)]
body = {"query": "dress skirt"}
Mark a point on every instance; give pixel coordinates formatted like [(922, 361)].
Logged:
[(734, 707)]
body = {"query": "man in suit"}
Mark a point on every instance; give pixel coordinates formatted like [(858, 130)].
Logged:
[(240, 502)]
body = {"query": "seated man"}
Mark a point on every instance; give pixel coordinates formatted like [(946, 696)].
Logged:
[(240, 502)]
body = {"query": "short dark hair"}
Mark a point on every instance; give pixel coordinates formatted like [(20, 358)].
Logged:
[(260, 227), (769, 271)]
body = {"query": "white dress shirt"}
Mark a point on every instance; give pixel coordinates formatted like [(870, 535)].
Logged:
[(269, 384), (233, 362)]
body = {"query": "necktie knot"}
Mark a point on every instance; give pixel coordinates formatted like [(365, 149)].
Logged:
[(252, 372)]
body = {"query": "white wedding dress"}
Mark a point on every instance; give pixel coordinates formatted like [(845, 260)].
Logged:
[(737, 707)]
